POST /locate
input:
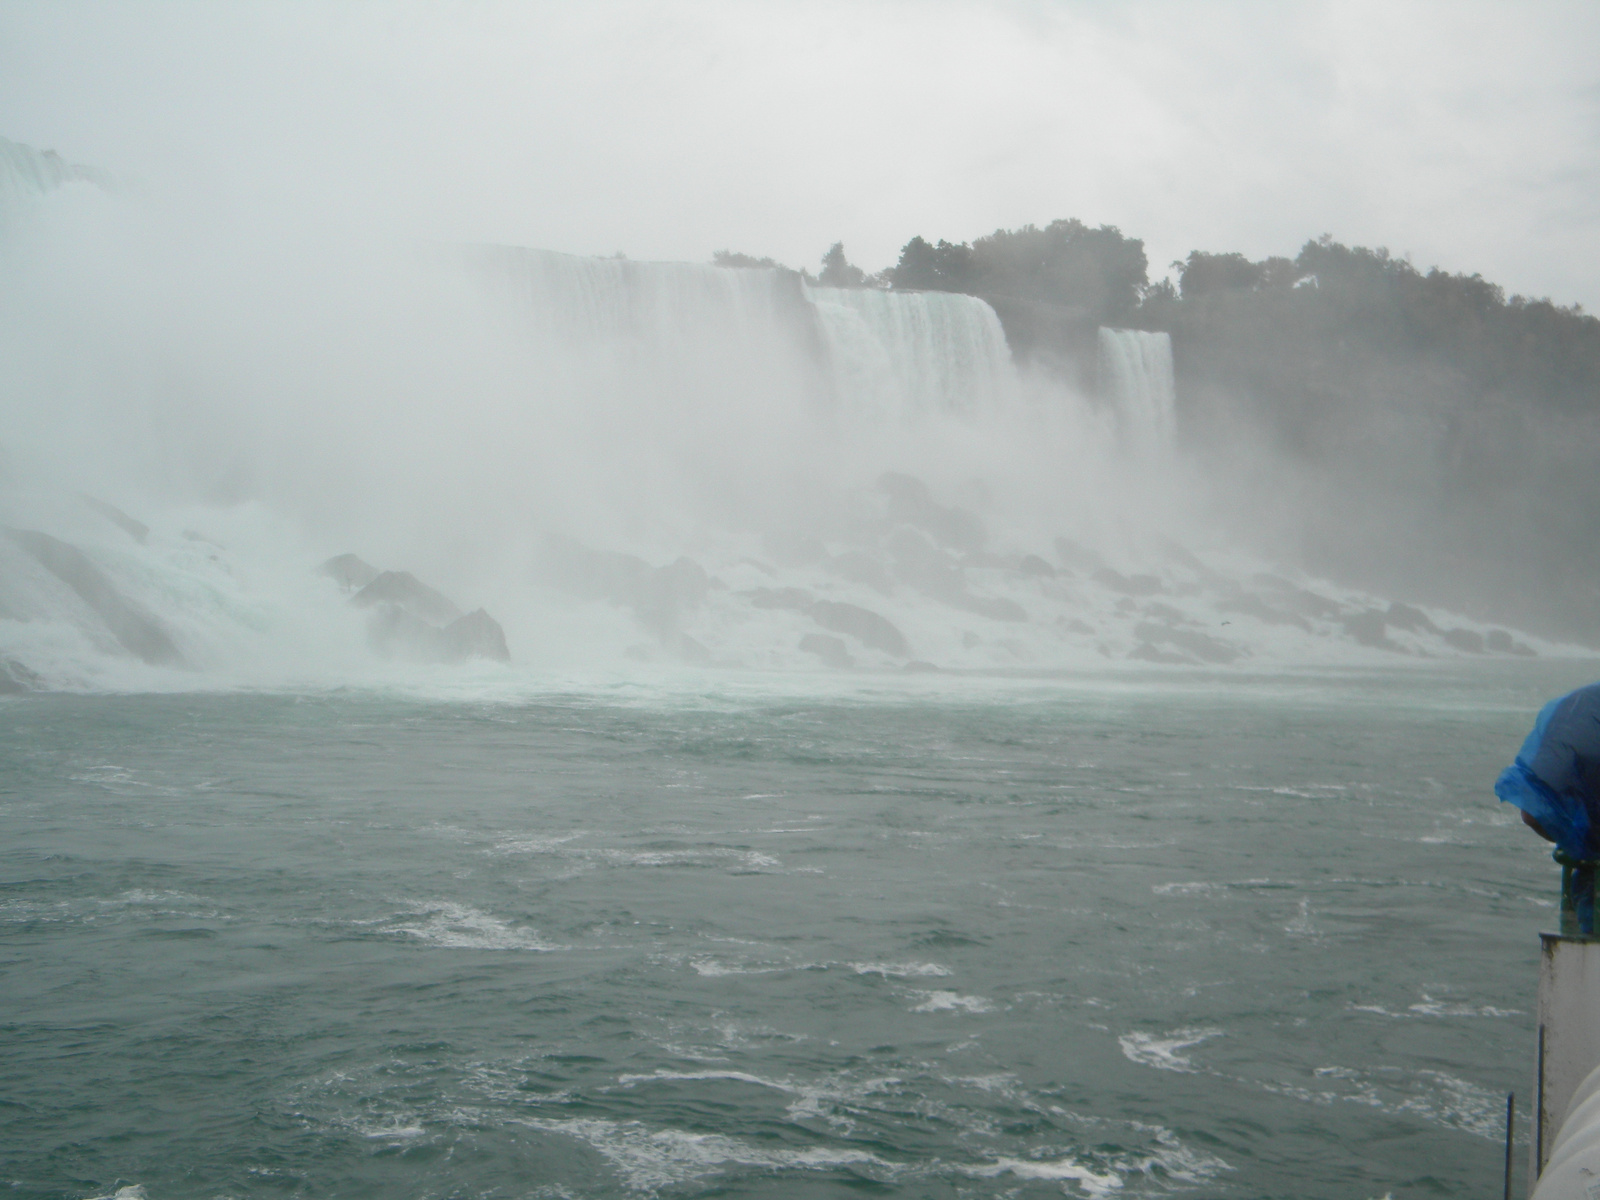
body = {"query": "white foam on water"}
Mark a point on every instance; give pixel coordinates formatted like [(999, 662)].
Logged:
[(129, 1191), (1161, 1051), (1185, 889), (1429, 1007), (941, 1001), (905, 970), (1094, 1183), (648, 1158), (460, 926)]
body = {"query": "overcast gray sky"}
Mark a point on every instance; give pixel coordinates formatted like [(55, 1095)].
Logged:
[(1465, 134)]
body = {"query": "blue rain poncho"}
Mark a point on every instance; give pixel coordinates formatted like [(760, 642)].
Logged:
[(1556, 777)]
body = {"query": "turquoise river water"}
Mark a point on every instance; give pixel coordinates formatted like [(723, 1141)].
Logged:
[(1134, 936)]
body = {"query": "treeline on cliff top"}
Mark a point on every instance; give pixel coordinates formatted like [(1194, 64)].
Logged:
[(1413, 430)]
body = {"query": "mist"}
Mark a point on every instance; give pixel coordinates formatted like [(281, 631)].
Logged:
[(285, 318)]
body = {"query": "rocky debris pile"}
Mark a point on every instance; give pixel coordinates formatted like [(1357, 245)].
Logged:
[(408, 619)]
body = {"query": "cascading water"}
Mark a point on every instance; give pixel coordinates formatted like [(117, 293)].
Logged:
[(621, 460), (25, 171), (911, 354), (1136, 375)]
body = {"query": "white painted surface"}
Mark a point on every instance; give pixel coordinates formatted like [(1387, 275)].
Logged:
[(1566, 1141)]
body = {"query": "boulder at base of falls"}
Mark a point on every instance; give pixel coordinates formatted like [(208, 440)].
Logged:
[(403, 590), (16, 679), (349, 572), (1128, 585), (863, 624), (394, 632), (1148, 653), (828, 648), (1254, 606), (1369, 629), (137, 530), (1189, 642), (137, 631), (660, 597), (794, 598), (911, 501), (1501, 642), (476, 635)]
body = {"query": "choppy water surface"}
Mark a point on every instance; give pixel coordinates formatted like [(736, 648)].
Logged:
[(1267, 938)]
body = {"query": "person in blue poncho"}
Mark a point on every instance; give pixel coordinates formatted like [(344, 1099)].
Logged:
[(1555, 779)]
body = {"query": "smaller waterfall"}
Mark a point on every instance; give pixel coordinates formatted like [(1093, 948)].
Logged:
[(25, 171), (1136, 376)]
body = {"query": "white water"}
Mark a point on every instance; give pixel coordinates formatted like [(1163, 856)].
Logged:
[(499, 421), (1136, 374)]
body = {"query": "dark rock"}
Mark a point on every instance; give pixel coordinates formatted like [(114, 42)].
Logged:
[(925, 567), (692, 650), (1465, 640), (349, 572), (860, 568), (1147, 652), (1128, 585), (1165, 613), (476, 635), (1306, 603), (862, 624), (136, 630), (137, 530), (828, 648), (1502, 642), (403, 590), (1413, 620), (792, 549), (1035, 567), (1255, 606), (1189, 641), (1076, 557), (1369, 629), (911, 502), (659, 597), (15, 679), (394, 632), (794, 598)]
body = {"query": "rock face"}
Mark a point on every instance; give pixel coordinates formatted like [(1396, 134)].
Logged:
[(136, 631), (661, 597), (911, 501), (403, 590), (411, 620), (137, 530), (476, 635), (830, 650), (349, 572), (863, 624)]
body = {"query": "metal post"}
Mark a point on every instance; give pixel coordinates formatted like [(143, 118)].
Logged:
[(1511, 1116)]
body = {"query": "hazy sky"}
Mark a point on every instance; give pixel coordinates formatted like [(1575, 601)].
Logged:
[(1465, 134)]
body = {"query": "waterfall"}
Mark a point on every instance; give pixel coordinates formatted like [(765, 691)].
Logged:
[(875, 355), (1136, 376), (25, 171), (910, 354)]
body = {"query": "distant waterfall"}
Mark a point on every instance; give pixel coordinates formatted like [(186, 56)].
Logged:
[(908, 354), (647, 301), (874, 354), (25, 171), (1136, 376)]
